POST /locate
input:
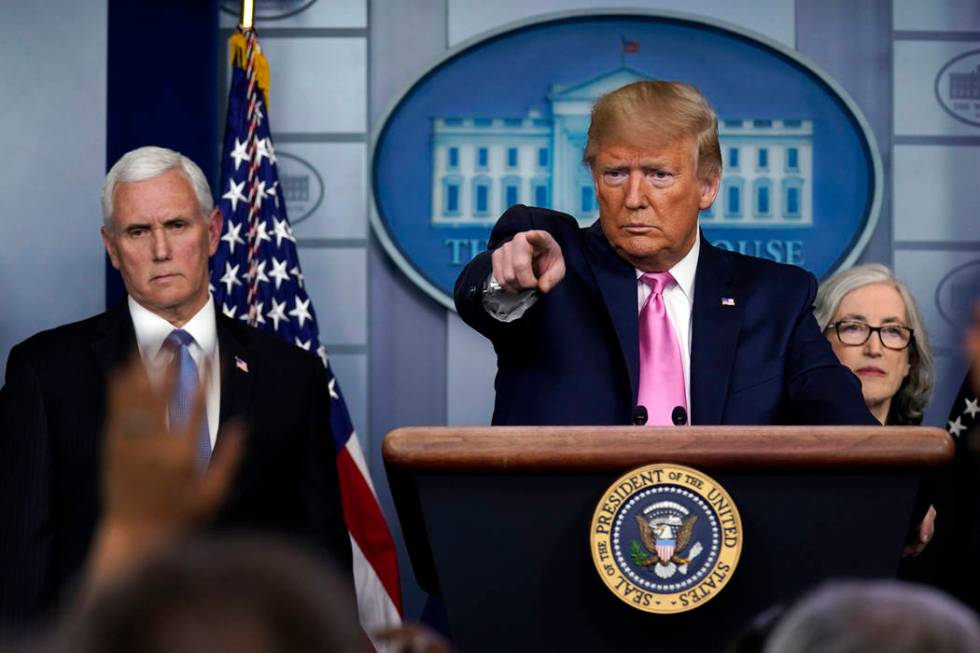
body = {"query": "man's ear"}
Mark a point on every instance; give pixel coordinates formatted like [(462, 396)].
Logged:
[(709, 190), (110, 247), (214, 230)]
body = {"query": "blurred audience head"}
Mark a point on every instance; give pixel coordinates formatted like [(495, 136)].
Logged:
[(876, 617), (246, 594), (874, 326)]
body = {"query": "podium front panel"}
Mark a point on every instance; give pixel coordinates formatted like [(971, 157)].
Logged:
[(513, 561)]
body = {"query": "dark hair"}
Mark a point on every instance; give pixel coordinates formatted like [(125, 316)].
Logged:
[(239, 593)]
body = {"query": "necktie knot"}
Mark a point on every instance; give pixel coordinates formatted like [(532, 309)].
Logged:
[(178, 338), (657, 281)]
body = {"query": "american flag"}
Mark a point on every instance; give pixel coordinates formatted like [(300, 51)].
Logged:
[(257, 278)]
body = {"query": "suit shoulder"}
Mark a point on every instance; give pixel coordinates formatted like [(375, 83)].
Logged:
[(271, 348), (66, 337), (768, 271)]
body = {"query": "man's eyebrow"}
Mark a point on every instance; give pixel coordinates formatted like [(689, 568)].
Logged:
[(137, 225)]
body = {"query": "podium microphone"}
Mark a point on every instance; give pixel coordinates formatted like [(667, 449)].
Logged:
[(678, 416), (639, 415)]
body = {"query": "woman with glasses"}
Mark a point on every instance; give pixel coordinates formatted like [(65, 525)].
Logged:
[(874, 327)]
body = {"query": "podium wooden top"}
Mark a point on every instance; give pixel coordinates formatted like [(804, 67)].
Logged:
[(584, 449)]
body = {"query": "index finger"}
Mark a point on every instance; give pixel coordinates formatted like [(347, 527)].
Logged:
[(540, 239)]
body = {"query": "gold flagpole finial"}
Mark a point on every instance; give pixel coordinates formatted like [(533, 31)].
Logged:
[(248, 14)]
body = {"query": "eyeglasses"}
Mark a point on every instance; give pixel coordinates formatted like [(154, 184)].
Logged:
[(892, 336)]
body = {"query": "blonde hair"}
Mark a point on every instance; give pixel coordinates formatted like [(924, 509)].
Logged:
[(658, 112), (909, 402)]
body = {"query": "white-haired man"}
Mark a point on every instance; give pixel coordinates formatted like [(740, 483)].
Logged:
[(159, 229)]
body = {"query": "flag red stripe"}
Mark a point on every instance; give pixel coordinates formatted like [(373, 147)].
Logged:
[(367, 525)]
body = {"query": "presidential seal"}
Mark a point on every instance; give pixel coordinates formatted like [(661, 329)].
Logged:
[(666, 538)]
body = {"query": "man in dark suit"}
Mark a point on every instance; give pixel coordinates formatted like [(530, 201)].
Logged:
[(638, 317), (159, 230)]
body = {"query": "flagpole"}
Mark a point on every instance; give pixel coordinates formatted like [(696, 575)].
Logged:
[(248, 14)]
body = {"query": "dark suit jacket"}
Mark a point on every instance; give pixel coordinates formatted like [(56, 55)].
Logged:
[(573, 358), (51, 414)]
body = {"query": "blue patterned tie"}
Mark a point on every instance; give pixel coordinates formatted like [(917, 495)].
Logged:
[(182, 401)]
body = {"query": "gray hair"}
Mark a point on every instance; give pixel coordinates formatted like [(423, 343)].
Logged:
[(149, 162), (883, 616), (916, 389)]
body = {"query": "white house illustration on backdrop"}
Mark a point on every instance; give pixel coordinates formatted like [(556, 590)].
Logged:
[(483, 165)]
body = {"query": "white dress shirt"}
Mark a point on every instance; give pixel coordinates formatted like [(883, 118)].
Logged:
[(678, 300), (152, 330)]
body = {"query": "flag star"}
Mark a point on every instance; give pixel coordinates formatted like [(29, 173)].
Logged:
[(234, 194), (282, 230), (255, 314), (260, 192), (256, 112), (210, 287), (321, 351), (956, 427), (263, 148), (332, 386), (240, 153), (260, 233), (229, 311), (304, 344), (277, 313), (972, 407), (272, 189), (302, 311), (257, 271), (296, 272), (233, 236), (279, 271), (230, 278)]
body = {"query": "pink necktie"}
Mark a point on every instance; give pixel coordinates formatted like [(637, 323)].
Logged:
[(661, 369)]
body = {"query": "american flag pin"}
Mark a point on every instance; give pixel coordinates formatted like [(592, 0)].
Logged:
[(240, 364), (727, 301)]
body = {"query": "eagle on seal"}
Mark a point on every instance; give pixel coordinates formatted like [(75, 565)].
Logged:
[(663, 544)]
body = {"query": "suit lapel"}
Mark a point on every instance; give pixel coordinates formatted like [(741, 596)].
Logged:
[(616, 279), (115, 340), (716, 320), (237, 372)]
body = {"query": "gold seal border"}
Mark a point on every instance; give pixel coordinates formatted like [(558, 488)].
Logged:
[(663, 474)]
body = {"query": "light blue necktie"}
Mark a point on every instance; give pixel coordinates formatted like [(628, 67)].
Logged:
[(182, 401)]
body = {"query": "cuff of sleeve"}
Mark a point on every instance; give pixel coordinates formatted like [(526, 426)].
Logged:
[(504, 306)]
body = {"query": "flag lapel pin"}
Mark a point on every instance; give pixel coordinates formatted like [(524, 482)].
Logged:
[(240, 364), (727, 301)]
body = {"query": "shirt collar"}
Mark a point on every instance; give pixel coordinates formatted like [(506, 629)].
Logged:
[(685, 269), (151, 329)]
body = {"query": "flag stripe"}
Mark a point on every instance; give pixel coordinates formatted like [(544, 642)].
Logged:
[(368, 529)]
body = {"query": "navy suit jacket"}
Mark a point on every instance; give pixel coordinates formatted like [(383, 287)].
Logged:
[(52, 408), (573, 358)]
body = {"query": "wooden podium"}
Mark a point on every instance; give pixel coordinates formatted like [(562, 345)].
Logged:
[(496, 520)]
